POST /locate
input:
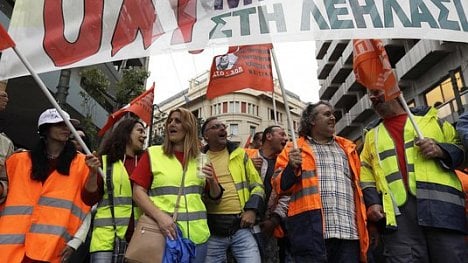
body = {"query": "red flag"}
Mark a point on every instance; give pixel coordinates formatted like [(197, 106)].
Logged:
[(5, 39), (372, 67), (242, 67), (142, 106)]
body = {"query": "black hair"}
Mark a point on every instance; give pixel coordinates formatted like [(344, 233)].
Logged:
[(203, 127), (268, 130), (40, 164), (308, 115), (115, 145)]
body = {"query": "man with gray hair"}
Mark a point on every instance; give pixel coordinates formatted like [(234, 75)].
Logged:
[(326, 215)]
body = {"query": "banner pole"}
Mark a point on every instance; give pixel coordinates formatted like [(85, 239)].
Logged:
[(274, 104), (410, 116), (54, 103), (150, 135), (285, 98)]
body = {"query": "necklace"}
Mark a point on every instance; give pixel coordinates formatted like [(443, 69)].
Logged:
[(51, 156)]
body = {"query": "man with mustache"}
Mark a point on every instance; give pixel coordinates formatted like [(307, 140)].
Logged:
[(231, 216), (410, 186), (326, 217)]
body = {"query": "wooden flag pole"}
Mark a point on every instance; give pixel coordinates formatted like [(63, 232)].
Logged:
[(285, 98)]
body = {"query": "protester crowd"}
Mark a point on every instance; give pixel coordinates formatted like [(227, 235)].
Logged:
[(314, 200)]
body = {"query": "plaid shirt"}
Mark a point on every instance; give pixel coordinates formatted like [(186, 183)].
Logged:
[(336, 191)]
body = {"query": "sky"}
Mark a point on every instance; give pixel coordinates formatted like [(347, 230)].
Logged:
[(298, 66)]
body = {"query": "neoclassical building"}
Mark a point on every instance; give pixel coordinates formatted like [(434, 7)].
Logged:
[(244, 112)]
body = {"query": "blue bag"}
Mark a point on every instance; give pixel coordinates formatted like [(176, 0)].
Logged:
[(180, 250)]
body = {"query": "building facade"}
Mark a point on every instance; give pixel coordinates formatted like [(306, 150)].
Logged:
[(431, 73), (244, 112)]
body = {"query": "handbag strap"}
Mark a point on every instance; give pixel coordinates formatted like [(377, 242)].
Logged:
[(110, 193), (179, 194)]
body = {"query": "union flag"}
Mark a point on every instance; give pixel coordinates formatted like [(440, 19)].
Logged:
[(372, 67), (142, 106), (242, 67), (5, 39)]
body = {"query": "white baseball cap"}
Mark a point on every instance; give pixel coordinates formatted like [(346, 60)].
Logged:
[(51, 116)]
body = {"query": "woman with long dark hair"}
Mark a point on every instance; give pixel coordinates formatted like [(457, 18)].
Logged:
[(119, 155), (44, 205)]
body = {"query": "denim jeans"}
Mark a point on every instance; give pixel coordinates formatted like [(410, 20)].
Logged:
[(101, 257), (200, 253), (243, 246)]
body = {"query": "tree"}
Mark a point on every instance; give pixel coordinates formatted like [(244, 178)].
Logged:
[(96, 84), (131, 85)]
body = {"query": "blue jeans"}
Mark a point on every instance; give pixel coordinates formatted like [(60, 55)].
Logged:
[(243, 246), (200, 253), (101, 257)]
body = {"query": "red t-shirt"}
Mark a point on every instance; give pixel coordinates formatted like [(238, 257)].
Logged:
[(142, 175), (92, 198), (395, 127)]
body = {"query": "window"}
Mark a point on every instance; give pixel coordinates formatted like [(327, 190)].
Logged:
[(234, 129), (243, 107), (252, 130), (272, 114), (225, 107), (234, 107), (216, 109), (443, 92), (250, 109)]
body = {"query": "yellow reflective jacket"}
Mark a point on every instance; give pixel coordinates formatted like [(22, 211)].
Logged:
[(438, 191)]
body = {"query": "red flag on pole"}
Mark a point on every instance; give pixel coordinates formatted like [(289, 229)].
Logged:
[(242, 67), (141, 106), (372, 67), (5, 39)]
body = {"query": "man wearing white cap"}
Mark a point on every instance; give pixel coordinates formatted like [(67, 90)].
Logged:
[(44, 205)]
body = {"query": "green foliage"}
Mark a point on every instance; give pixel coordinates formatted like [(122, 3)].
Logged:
[(87, 122), (96, 84), (131, 85)]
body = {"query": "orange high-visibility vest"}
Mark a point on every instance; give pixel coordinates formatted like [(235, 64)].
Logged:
[(305, 196), (252, 153), (39, 218), (463, 176)]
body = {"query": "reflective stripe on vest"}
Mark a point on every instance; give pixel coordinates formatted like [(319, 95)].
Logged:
[(16, 210), (103, 233), (117, 201), (100, 222), (173, 190), (440, 196), (167, 176), (41, 215), (51, 230), (11, 239), (389, 162), (306, 191), (65, 204)]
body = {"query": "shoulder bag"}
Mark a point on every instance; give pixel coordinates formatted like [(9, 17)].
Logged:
[(148, 243)]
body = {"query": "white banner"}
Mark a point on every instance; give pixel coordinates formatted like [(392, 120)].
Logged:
[(56, 34)]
